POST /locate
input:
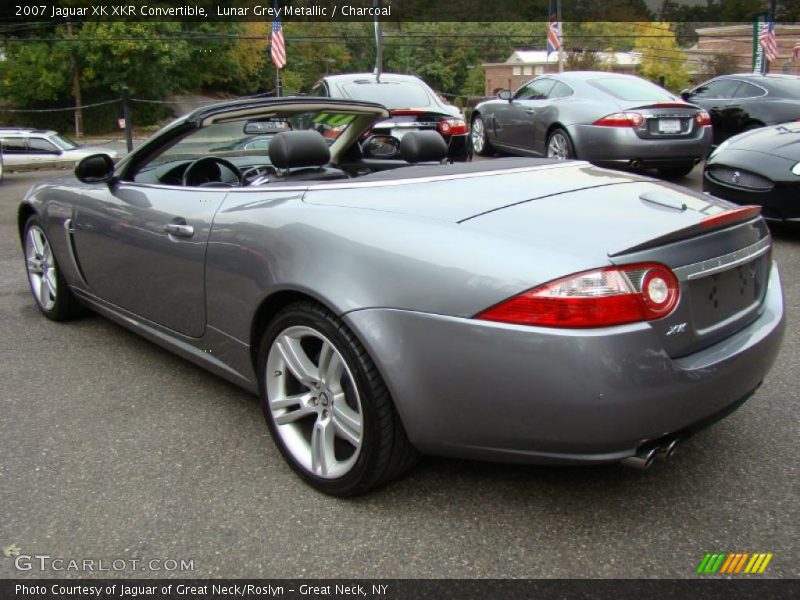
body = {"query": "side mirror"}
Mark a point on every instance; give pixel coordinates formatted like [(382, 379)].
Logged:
[(97, 168), (686, 94), (504, 95)]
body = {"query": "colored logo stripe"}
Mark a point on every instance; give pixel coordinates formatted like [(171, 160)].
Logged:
[(733, 562)]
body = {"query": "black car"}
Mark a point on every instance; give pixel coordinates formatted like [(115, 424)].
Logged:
[(739, 103), (412, 104), (759, 167)]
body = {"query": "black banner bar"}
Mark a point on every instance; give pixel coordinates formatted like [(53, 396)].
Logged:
[(394, 589), (61, 11)]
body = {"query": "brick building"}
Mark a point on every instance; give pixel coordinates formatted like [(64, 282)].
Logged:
[(523, 65), (738, 40)]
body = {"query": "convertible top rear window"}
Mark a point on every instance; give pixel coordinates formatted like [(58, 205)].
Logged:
[(632, 89)]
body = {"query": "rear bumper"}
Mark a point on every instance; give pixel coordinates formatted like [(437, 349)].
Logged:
[(621, 145), (490, 391)]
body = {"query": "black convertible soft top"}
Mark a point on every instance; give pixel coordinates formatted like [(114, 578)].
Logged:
[(459, 168)]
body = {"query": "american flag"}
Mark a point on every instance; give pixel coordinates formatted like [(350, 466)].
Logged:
[(553, 30), (769, 42), (277, 47), (796, 51)]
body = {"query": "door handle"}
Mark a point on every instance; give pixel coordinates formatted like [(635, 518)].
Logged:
[(179, 230), (530, 111)]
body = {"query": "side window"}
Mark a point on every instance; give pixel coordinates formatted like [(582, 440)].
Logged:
[(535, 90), (37, 145), (560, 90), (319, 90), (720, 88), (14, 146), (748, 90)]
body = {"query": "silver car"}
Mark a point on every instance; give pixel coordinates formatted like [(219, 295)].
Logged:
[(609, 119), (29, 147), (522, 310)]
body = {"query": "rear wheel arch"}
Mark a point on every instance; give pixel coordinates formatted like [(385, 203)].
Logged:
[(266, 311), (23, 214)]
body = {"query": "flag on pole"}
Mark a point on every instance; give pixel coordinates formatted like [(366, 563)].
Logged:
[(796, 51), (277, 47), (769, 42), (553, 29)]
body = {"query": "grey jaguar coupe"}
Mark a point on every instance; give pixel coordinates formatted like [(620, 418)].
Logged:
[(522, 310)]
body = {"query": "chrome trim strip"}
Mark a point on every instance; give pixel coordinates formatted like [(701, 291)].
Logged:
[(350, 183), (723, 263)]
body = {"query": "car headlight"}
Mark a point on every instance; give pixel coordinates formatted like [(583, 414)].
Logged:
[(796, 169), (717, 149)]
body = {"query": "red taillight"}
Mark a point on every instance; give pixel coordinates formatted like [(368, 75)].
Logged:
[(599, 298), (453, 127), (736, 215), (702, 118), (399, 112), (621, 119)]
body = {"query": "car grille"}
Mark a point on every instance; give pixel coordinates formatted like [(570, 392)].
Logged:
[(722, 296), (740, 179)]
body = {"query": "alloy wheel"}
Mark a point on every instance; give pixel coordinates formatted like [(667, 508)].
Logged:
[(314, 402), (478, 135), (558, 147), (41, 268)]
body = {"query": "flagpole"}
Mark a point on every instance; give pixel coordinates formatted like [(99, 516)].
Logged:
[(278, 82), (561, 44)]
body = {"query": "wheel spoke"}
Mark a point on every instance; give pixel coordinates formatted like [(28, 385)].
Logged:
[(297, 360), (294, 415), (347, 422), (293, 400), (50, 280), (322, 453), (37, 241), (42, 292), (330, 366)]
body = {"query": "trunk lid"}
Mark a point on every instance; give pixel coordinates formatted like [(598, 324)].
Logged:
[(723, 269)]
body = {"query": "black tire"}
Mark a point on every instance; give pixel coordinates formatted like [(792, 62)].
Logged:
[(385, 452), (65, 305), (483, 147), (563, 136), (676, 172)]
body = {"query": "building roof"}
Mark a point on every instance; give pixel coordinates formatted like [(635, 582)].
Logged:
[(540, 57)]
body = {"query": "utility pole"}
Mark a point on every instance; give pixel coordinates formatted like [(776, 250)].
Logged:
[(378, 42), (561, 44), (76, 85)]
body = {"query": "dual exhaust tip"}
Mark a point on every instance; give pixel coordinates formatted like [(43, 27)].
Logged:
[(646, 456)]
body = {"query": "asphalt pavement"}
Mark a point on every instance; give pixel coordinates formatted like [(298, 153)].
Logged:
[(114, 449)]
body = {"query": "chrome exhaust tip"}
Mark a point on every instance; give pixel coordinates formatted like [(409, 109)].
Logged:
[(642, 460), (664, 453)]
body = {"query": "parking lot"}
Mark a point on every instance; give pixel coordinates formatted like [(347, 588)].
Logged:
[(115, 449)]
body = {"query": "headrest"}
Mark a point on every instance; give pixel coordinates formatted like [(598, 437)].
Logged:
[(290, 149), (422, 146)]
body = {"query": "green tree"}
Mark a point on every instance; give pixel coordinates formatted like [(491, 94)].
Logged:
[(661, 56)]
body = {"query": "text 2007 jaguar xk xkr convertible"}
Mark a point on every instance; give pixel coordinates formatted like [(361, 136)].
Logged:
[(510, 310)]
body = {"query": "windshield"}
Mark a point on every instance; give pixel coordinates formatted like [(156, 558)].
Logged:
[(632, 90), (63, 142), (229, 139), (390, 94)]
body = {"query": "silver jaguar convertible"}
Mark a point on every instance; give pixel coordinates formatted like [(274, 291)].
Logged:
[(517, 309)]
